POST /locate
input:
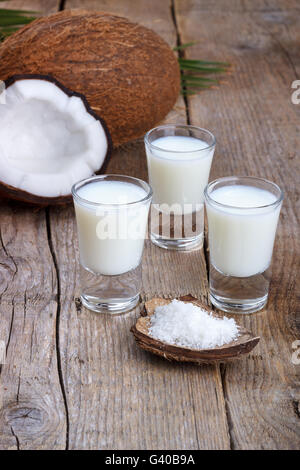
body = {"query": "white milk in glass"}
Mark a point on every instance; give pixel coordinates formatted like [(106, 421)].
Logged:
[(111, 238), (179, 178), (241, 237)]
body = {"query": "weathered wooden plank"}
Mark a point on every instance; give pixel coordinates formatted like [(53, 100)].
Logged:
[(32, 412), (32, 415), (242, 6), (42, 7), (118, 396), (145, 13), (256, 127)]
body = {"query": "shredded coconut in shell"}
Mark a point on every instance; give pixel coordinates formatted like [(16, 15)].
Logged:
[(187, 325)]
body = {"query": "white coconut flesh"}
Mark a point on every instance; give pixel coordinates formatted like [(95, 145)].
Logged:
[(48, 140)]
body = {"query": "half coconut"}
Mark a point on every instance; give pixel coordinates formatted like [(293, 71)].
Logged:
[(49, 139)]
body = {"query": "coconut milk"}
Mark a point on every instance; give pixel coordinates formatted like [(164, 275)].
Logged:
[(178, 169), (111, 234), (242, 231)]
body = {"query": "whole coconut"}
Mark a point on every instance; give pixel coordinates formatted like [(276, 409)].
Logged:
[(128, 74)]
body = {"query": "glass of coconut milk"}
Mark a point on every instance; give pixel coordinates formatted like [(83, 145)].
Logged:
[(112, 215), (179, 160), (242, 216)]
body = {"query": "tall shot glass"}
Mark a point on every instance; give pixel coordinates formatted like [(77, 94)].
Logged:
[(179, 160), (112, 215), (242, 216)]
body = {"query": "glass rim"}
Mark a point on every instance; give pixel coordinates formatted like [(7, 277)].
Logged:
[(180, 126), (117, 177), (212, 201)]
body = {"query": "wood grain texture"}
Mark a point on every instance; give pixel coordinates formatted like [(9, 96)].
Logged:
[(149, 14), (41, 7), (32, 414), (97, 390), (257, 127), (120, 397), (241, 6)]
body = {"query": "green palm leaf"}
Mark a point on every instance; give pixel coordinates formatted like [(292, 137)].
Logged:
[(11, 20), (194, 73), (184, 46)]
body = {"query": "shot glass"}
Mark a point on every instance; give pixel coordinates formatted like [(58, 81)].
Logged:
[(112, 215), (242, 217), (179, 160)]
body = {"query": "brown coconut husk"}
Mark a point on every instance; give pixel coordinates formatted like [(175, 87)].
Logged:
[(128, 74)]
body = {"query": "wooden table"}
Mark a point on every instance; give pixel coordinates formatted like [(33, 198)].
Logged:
[(74, 379)]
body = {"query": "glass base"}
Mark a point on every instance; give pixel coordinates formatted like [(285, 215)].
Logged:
[(237, 305), (234, 294), (179, 244), (110, 306)]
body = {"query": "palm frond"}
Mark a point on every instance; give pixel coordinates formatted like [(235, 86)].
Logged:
[(203, 63), (191, 79), (194, 73), (184, 46), (11, 20)]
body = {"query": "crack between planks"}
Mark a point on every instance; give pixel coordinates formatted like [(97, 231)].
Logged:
[(206, 259), (58, 310), (228, 414), (9, 256), (25, 310), (16, 437), (296, 408), (19, 385), (61, 5), (285, 52), (11, 325), (180, 54)]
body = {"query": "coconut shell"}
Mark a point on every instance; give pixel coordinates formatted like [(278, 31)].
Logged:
[(242, 345), (18, 194), (128, 74)]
